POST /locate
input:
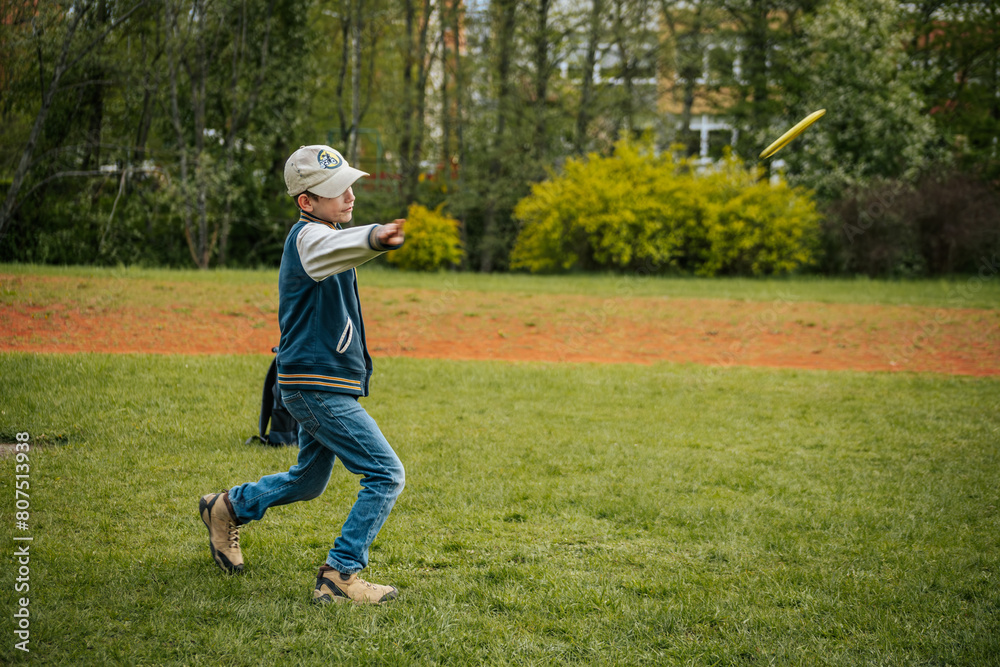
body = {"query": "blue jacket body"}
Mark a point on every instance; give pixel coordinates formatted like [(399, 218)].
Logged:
[(323, 345)]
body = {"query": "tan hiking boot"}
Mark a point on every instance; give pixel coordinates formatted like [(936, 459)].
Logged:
[(223, 531), (333, 586)]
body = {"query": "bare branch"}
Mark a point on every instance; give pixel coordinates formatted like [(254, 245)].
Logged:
[(107, 31), (36, 129)]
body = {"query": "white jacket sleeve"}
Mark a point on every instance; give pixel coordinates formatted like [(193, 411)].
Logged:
[(325, 251)]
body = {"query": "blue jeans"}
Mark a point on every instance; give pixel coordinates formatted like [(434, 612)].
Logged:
[(331, 426)]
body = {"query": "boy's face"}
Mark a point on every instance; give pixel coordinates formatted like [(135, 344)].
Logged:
[(332, 209)]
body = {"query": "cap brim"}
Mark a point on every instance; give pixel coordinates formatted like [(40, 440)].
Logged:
[(338, 183)]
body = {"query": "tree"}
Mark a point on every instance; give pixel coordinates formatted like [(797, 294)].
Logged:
[(688, 25), (458, 30), (550, 38), (69, 56), (148, 130), (191, 47), (955, 53), (584, 112), (770, 41), (220, 71), (416, 70), (243, 102), (875, 126), (360, 26), (637, 44), (506, 104)]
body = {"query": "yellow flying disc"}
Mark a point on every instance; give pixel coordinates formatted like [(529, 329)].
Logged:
[(792, 133)]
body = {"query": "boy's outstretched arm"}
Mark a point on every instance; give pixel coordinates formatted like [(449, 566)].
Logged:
[(325, 251)]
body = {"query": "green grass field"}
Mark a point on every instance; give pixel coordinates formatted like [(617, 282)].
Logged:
[(554, 514), (954, 292)]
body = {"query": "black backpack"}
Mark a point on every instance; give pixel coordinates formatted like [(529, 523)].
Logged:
[(284, 428)]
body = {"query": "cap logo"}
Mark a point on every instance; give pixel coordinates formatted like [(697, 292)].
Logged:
[(329, 160)]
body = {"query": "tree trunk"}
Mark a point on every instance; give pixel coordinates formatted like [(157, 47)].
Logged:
[(621, 119), (36, 129), (542, 74), (583, 114), (199, 90), (406, 138), (238, 49), (445, 96), (355, 80), (171, 40), (456, 17), (194, 210), (692, 67), (424, 63), (239, 118), (150, 83), (416, 67), (627, 35), (95, 101), (346, 21), (757, 52), (489, 244)]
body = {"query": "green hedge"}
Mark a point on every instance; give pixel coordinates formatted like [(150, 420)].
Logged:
[(636, 211)]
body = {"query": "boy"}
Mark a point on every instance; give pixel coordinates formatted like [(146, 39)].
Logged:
[(323, 367)]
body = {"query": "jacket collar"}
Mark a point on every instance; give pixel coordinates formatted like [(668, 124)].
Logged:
[(309, 217)]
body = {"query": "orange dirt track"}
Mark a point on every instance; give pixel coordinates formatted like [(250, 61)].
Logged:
[(530, 327)]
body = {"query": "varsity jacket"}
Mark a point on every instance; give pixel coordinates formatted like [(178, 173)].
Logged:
[(322, 346)]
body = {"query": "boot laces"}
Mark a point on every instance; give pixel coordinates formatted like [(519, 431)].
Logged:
[(366, 583), (234, 535)]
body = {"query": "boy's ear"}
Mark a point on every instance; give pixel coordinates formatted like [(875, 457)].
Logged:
[(304, 202)]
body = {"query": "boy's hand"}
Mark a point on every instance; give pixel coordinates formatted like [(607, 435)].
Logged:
[(392, 233)]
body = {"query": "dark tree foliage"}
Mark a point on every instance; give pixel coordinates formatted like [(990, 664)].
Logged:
[(156, 131)]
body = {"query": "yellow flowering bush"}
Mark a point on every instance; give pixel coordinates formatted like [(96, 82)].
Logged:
[(638, 211), (433, 241)]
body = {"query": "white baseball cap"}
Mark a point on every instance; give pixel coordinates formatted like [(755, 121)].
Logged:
[(321, 170)]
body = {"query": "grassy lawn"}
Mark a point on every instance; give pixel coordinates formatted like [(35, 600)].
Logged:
[(554, 514), (218, 286)]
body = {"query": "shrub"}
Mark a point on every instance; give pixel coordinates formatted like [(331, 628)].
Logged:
[(867, 231), (432, 241), (636, 211), (756, 227), (949, 222)]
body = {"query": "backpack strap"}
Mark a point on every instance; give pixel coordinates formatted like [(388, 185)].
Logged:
[(267, 398), (284, 428)]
